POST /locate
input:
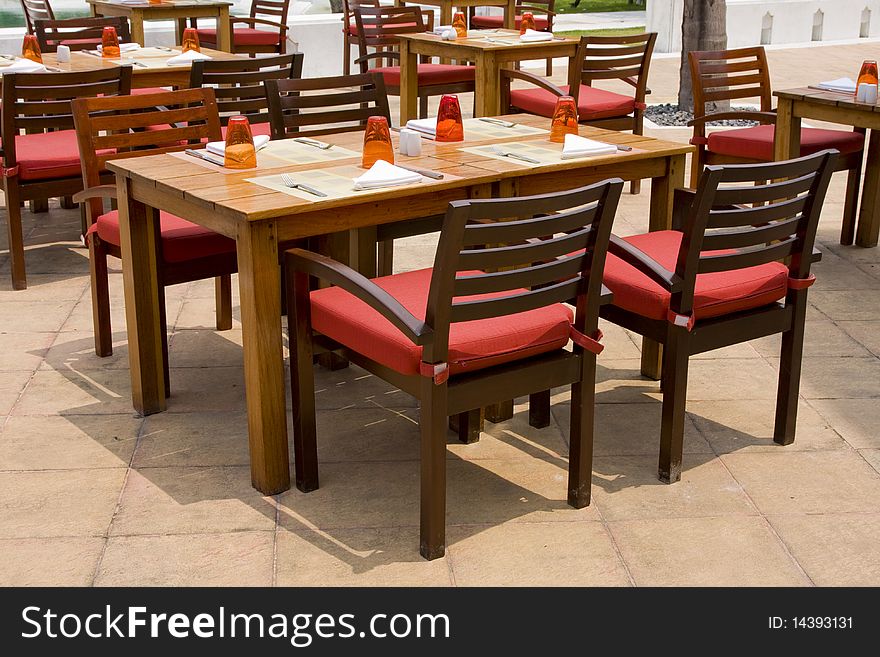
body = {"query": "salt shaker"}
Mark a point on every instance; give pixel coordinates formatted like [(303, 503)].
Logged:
[(62, 55)]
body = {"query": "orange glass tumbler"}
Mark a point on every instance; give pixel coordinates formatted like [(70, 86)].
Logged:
[(30, 49), (565, 119), (190, 40), (239, 152), (109, 42), (377, 142), (449, 124), (527, 22), (866, 86), (459, 25)]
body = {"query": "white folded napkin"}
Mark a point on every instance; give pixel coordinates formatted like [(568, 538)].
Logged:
[(219, 147), (23, 66), (383, 174), (187, 58), (577, 146), (441, 29), (426, 126), (123, 47), (840, 84), (533, 36)]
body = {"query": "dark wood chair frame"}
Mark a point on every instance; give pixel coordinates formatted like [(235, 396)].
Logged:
[(379, 28), (719, 77), (40, 102), (276, 10), (35, 10), (120, 123), (350, 39), (537, 7), (733, 209), (545, 271), (52, 33)]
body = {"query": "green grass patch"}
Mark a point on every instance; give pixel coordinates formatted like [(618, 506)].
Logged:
[(567, 6), (613, 31), (15, 18)]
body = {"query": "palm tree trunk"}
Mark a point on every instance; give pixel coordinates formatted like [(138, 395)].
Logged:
[(703, 27)]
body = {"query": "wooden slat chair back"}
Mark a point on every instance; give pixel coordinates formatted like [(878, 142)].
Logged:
[(239, 85), (349, 29), (263, 14), (539, 273), (379, 27), (78, 33), (35, 10)]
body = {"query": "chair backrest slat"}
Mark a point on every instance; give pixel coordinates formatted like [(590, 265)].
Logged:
[(518, 231), (750, 258), (539, 274), (626, 58), (467, 311), (752, 235), (78, 33), (752, 216), (274, 9), (379, 28), (785, 189), (726, 75), (518, 254), (35, 10)]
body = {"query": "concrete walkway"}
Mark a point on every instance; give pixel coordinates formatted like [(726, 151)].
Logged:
[(599, 20)]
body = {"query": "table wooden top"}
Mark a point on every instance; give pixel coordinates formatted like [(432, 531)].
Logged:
[(154, 59), (844, 101), (481, 41), (228, 194), (164, 5)]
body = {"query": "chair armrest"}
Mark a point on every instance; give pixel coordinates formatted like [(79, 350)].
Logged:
[(363, 288), (101, 191), (644, 263), (258, 21), (508, 75), (384, 54), (761, 117)]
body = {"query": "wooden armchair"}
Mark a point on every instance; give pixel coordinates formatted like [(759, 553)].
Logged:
[(35, 10), (113, 128), (40, 156), (543, 11), (458, 338), (350, 30), (730, 75), (718, 279), (250, 39), (78, 33)]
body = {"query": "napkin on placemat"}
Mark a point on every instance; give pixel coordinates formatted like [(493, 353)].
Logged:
[(124, 47), (532, 36), (382, 174), (219, 147), (843, 85), (577, 146), (23, 66), (426, 126), (187, 57)]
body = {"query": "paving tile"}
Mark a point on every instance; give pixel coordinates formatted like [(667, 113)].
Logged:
[(68, 391), (822, 338), (236, 559), (722, 551), (191, 501), (872, 456), (75, 350), (535, 554), (620, 381), (835, 481), (356, 557), (854, 419), (513, 438), (46, 287), (23, 352), (836, 273), (864, 332), (354, 387), (12, 384), (34, 316), (747, 378), (201, 314), (201, 389), (49, 561), (848, 304), (208, 438), (839, 378), (206, 348), (59, 503)]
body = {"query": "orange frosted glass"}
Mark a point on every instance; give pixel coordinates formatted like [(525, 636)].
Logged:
[(459, 25), (565, 120), (449, 123), (527, 22), (30, 49), (190, 40), (239, 152), (377, 142), (155, 2), (868, 74), (109, 42)]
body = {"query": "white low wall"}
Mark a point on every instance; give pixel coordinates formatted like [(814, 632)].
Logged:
[(770, 22)]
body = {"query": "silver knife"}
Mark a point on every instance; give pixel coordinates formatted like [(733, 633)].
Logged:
[(506, 124), (427, 173), (203, 156), (313, 142)]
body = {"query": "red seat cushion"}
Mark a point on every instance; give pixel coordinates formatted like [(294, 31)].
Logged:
[(472, 345), (756, 143), (242, 36), (717, 293), (46, 155), (429, 74), (480, 22), (182, 240), (593, 103)]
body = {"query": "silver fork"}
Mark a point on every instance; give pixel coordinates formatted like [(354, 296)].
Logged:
[(290, 182), (516, 156), (313, 142)]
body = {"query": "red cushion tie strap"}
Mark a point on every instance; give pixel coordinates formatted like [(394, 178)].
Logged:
[(699, 141), (684, 321), (437, 371), (640, 106), (591, 344), (9, 172), (801, 283)]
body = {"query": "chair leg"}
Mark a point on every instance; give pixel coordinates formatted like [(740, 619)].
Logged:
[(675, 373), (16, 237), (39, 205), (467, 425), (100, 298), (423, 107), (163, 323), (432, 423), (850, 206), (549, 68), (67, 203), (580, 458), (539, 409), (386, 258), (790, 373), (635, 186), (223, 302), (346, 56), (302, 382), (500, 412)]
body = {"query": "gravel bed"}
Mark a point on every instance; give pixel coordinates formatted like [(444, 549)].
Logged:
[(670, 115)]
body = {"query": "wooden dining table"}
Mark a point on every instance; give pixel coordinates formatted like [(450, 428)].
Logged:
[(262, 220)]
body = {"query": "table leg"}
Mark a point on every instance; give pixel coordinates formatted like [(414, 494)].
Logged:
[(487, 92), (510, 15), (259, 283), (138, 232), (662, 194), (224, 30), (137, 27), (409, 83), (787, 143), (869, 216)]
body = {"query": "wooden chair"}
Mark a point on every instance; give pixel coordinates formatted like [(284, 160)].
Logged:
[(415, 331), (379, 28), (40, 156), (239, 85), (251, 39), (623, 58), (78, 33), (114, 128), (730, 75), (717, 280), (349, 29), (35, 10), (543, 11)]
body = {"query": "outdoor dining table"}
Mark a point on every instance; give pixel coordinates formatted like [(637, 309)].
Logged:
[(490, 50), (446, 7), (148, 65), (176, 10), (262, 215), (842, 108)]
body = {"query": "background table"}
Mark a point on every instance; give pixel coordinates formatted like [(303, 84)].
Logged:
[(261, 221), (176, 10), (446, 7), (489, 56), (806, 103)]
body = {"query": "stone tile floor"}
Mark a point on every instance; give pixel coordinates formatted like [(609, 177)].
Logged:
[(91, 494)]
